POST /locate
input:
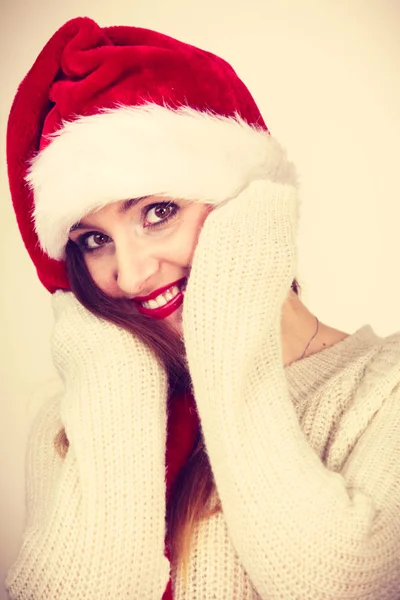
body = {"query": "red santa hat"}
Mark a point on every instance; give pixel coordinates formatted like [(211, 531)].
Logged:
[(108, 114)]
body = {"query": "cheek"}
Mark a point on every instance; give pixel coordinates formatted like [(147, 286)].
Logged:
[(196, 228), (184, 245), (102, 274)]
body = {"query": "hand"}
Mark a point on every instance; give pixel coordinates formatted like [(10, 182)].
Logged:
[(241, 274), (82, 341), (112, 485)]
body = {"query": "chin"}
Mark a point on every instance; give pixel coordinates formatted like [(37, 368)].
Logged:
[(175, 320)]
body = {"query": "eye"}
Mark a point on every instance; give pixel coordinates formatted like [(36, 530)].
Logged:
[(91, 241), (160, 213)]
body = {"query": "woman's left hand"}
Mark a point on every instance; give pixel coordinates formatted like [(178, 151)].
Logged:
[(242, 271)]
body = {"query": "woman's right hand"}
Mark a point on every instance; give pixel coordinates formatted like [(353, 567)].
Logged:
[(82, 342), (97, 517)]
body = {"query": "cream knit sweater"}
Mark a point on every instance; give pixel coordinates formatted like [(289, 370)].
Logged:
[(306, 458)]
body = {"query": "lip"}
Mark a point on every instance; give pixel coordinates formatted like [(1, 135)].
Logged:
[(159, 291), (162, 311)]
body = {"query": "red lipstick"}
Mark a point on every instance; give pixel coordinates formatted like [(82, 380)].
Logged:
[(159, 291), (161, 312)]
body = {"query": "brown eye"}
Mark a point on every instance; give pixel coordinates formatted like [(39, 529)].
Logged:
[(160, 213), (95, 240)]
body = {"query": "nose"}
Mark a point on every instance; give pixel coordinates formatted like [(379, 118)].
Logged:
[(133, 272)]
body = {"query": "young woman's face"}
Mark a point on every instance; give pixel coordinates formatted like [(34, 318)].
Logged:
[(142, 250)]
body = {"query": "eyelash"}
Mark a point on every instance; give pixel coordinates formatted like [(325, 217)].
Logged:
[(171, 215), (81, 240)]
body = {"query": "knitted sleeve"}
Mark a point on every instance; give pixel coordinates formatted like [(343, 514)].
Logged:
[(96, 519), (301, 530)]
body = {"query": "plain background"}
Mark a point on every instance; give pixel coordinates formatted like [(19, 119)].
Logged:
[(325, 74)]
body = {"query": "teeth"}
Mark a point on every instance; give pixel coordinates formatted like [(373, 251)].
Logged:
[(162, 298), (174, 290)]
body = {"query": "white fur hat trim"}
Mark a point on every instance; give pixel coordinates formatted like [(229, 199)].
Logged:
[(130, 152)]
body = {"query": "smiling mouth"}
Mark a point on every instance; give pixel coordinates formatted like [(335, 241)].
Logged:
[(165, 303)]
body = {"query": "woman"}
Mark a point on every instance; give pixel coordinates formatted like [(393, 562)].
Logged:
[(214, 440)]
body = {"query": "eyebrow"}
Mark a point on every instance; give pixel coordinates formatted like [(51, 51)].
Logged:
[(126, 205)]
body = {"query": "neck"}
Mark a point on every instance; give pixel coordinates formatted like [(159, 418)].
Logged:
[(299, 326)]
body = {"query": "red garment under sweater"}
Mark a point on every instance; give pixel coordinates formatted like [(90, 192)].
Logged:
[(183, 427)]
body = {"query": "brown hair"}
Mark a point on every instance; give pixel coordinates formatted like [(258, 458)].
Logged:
[(192, 497)]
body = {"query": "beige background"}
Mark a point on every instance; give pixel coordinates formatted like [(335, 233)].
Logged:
[(325, 74)]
